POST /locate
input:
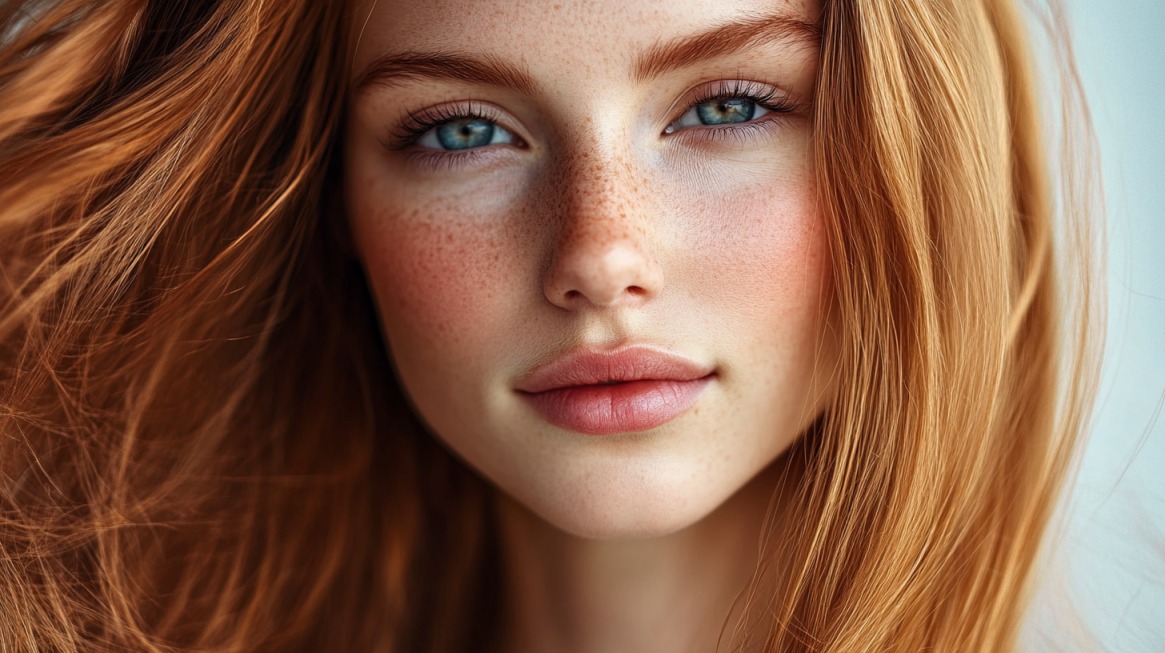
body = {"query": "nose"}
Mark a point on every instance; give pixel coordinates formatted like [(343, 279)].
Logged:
[(604, 255)]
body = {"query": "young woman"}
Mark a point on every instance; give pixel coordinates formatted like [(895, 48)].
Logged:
[(527, 326)]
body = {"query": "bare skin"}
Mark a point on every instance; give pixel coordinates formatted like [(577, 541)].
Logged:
[(680, 592), (528, 180)]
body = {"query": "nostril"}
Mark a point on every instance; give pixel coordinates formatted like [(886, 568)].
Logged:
[(575, 295), (605, 275)]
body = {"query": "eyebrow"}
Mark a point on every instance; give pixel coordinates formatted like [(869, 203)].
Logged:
[(724, 40), (488, 70), (660, 58)]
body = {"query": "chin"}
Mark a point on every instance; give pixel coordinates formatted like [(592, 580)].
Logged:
[(629, 507), (619, 526)]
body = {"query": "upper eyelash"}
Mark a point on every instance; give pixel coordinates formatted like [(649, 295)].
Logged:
[(766, 97), (414, 125)]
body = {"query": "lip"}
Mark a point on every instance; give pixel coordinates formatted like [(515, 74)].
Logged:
[(631, 389)]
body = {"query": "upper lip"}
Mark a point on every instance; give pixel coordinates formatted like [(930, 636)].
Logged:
[(592, 367)]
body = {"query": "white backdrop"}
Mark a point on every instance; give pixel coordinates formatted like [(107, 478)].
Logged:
[(1109, 568)]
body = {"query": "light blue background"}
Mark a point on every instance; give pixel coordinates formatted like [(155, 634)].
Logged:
[(1107, 575)]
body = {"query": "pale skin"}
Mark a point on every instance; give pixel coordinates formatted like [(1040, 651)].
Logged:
[(524, 179)]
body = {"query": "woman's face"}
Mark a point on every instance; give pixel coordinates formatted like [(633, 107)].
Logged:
[(592, 236)]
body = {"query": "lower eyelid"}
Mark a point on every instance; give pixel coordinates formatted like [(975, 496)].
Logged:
[(745, 132), (452, 160), (674, 128)]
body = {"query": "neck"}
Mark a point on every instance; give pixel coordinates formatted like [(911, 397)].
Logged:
[(671, 593)]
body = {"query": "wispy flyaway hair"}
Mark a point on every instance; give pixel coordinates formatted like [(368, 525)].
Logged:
[(201, 444)]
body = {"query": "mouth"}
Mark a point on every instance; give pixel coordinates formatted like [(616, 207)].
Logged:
[(628, 390)]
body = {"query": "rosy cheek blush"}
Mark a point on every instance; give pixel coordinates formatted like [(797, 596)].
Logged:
[(439, 271)]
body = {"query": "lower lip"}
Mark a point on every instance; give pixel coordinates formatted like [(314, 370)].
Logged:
[(618, 407)]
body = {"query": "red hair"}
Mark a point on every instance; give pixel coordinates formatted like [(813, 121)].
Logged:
[(201, 444)]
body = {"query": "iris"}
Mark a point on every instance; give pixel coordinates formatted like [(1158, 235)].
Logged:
[(726, 111), (465, 133)]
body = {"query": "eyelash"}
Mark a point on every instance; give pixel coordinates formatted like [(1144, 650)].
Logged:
[(415, 125), (766, 97), (779, 106)]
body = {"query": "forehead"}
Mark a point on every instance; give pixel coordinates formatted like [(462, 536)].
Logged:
[(553, 38)]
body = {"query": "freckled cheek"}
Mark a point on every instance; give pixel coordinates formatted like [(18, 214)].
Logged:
[(436, 274)]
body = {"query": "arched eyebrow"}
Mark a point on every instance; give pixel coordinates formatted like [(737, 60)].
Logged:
[(491, 71), (724, 40), (660, 58)]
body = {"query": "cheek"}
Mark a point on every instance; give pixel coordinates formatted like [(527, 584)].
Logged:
[(765, 258), (435, 272), (765, 289)]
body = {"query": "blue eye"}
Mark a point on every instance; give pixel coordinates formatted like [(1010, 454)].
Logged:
[(720, 111), (464, 134), (729, 104), (726, 111)]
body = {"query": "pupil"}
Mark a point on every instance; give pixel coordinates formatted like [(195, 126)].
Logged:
[(464, 134), (721, 112)]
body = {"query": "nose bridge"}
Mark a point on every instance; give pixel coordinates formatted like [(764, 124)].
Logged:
[(599, 193), (604, 251)]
